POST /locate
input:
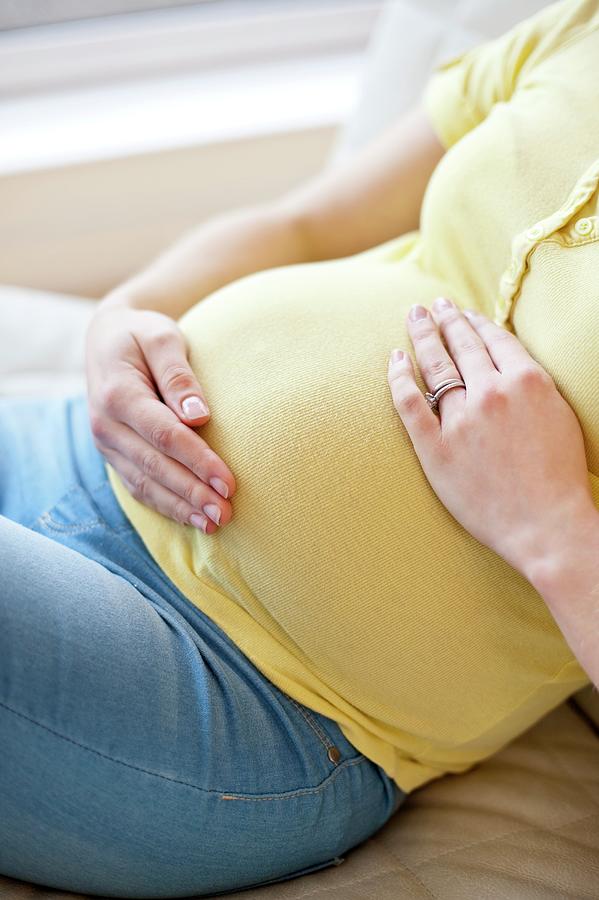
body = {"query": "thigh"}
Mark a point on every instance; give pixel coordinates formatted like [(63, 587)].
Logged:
[(134, 731), (144, 757), (106, 731)]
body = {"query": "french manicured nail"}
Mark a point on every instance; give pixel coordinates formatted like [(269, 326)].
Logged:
[(471, 313), (199, 521), (397, 356), (213, 512), (194, 407), (219, 486), (442, 303), (417, 312)]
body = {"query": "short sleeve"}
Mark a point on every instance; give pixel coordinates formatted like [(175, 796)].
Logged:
[(461, 93)]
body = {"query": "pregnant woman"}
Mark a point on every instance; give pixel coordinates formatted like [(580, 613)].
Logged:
[(255, 588)]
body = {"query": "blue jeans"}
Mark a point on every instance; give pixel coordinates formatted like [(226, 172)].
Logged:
[(141, 753)]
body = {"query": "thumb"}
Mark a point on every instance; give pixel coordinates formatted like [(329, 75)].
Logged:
[(167, 360)]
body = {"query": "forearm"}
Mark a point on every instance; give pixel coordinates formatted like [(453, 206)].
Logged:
[(212, 255), (374, 196), (567, 579)]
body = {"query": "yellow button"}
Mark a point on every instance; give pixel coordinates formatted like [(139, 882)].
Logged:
[(535, 233), (583, 227)]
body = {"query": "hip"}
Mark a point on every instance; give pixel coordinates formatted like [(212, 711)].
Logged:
[(267, 745)]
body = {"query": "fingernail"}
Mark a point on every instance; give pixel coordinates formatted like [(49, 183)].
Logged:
[(194, 407), (219, 486), (417, 312), (199, 521), (397, 356), (442, 303), (471, 312), (213, 512)]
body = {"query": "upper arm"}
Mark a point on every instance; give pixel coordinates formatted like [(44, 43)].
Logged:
[(372, 197), (377, 194), (462, 92)]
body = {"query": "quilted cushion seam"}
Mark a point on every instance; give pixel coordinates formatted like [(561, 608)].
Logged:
[(320, 891), (505, 834)]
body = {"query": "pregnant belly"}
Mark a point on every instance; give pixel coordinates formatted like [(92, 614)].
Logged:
[(338, 547)]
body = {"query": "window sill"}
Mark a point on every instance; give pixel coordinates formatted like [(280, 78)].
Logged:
[(116, 142), (147, 116)]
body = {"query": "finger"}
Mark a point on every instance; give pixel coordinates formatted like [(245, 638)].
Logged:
[(169, 473), (166, 356), (465, 346), (503, 347), (157, 497), (161, 428), (434, 361), (420, 421)]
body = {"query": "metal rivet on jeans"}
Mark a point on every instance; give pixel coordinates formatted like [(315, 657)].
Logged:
[(334, 754)]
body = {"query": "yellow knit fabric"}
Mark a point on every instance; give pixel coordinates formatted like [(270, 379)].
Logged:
[(342, 576)]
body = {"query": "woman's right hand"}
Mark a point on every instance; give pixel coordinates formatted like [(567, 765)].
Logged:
[(143, 397)]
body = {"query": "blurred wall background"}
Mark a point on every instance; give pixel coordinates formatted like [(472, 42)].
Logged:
[(125, 122)]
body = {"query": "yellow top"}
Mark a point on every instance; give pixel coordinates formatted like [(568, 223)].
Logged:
[(326, 577)]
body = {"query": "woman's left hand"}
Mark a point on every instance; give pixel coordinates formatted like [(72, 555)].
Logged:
[(506, 455)]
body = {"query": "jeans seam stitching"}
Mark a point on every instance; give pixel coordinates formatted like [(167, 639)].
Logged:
[(47, 520), (313, 724), (283, 796), (299, 792)]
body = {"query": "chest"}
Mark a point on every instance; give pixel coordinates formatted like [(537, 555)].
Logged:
[(519, 231), (514, 170)]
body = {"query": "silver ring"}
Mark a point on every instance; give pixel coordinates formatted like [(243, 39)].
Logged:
[(433, 399)]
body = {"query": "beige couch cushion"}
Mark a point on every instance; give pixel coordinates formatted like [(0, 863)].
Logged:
[(523, 825)]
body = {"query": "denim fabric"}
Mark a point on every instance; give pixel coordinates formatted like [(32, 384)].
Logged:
[(141, 753)]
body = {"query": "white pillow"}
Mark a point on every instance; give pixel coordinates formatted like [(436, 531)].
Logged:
[(41, 341), (410, 38)]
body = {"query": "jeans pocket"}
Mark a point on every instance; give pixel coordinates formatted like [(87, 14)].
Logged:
[(74, 513), (336, 861), (335, 744)]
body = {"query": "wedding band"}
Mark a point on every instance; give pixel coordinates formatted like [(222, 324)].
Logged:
[(433, 399)]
